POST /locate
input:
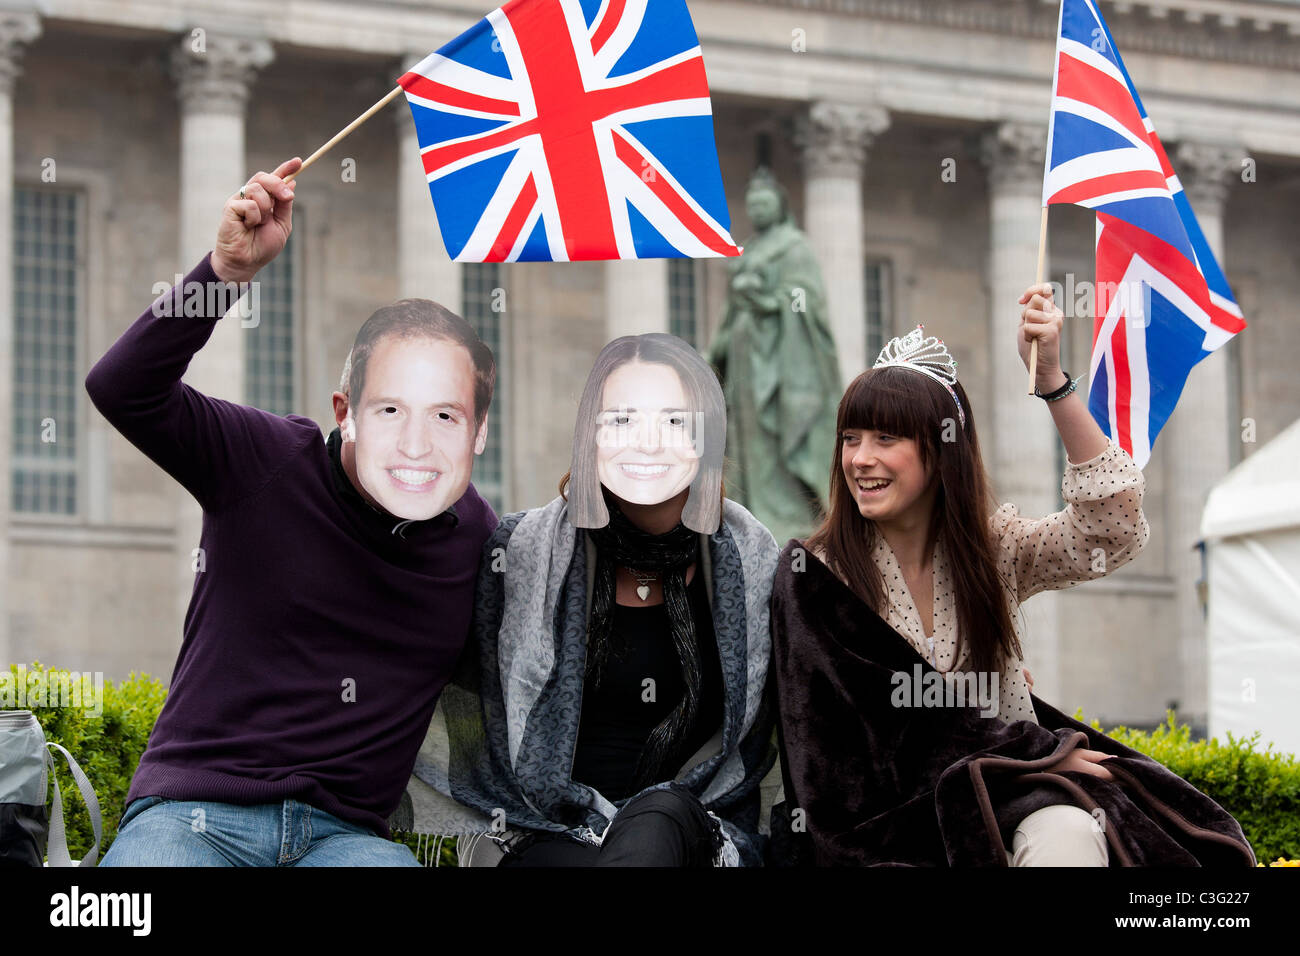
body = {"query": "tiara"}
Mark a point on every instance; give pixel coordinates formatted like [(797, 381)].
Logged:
[(927, 355)]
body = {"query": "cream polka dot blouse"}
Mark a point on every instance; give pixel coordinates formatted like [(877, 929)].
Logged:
[(1101, 528)]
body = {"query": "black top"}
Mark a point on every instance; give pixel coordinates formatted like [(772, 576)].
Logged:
[(618, 718)]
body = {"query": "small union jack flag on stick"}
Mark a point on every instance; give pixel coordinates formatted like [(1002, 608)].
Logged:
[(562, 130), (1162, 303)]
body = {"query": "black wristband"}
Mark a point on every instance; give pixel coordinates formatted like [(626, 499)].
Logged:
[(1061, 392)]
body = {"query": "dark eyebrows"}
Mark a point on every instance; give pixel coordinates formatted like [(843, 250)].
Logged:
[(381, 400)]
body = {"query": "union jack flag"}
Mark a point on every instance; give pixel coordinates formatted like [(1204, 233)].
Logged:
[(1162, 302), (562, 130)]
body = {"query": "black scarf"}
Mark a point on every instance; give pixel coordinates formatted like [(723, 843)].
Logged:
[(622, 543)]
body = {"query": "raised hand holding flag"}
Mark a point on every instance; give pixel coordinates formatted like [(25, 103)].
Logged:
[(1162, 302), (565, 130)]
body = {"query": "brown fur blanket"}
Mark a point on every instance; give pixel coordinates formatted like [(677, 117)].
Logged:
[(869, 781)]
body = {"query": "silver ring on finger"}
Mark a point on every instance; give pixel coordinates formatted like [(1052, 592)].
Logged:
[(241, 191)]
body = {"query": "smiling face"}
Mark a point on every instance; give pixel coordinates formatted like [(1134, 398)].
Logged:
[(885, 476), (644, 450), (414, 426)]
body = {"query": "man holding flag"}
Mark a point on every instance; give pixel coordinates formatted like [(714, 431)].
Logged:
[(334, 581)]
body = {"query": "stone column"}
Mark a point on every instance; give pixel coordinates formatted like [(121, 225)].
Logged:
[(424, 270), (1198, 433), (213, 78), (16, 31), (636, 297), (1024, 439), (212, 85), (834, 139)]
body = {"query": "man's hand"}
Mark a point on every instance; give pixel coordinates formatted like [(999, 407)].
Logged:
[(255, 228), (1084, 761), (1041, 319)]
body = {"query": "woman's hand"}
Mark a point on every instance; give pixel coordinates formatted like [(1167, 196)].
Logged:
[(1083, 761), (1041, 320)]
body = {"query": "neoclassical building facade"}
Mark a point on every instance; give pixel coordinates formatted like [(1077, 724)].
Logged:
[(909, 134)]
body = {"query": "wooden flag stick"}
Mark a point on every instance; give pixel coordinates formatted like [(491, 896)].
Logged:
[(347, 129), (1042, 274)]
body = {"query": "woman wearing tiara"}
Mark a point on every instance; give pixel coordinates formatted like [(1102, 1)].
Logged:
[(612, 705), (908, 731)]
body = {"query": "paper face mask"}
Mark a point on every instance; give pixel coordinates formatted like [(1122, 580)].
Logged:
[(645, 445), (414, 426), (652, 423)]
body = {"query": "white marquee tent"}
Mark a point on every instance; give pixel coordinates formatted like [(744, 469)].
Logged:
[(1251, 534)]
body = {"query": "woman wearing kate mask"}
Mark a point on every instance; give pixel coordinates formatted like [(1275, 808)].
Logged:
[(909, 735), (612, 705)]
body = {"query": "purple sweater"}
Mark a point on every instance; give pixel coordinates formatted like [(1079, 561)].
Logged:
[(321, 629)]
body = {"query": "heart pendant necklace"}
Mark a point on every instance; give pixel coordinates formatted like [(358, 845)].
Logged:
[(643, 581)]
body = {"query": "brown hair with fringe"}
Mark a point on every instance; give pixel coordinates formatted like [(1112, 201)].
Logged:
[(906, 404)]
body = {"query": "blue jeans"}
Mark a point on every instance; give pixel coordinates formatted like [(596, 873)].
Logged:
[(156, 831)]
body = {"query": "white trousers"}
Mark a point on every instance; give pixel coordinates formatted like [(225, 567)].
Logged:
[(1059, 836)]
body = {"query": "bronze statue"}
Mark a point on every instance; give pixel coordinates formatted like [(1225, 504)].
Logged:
[(776, 356)]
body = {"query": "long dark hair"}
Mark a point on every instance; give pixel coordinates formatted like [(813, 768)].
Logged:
[(907, 404), (591, 506)]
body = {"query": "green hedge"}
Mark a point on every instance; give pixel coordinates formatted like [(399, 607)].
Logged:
[(107, 746), (1260, 787)]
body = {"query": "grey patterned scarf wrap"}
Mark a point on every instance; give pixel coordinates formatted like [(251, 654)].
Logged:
[(499, 750)]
